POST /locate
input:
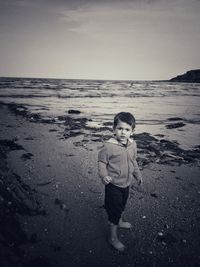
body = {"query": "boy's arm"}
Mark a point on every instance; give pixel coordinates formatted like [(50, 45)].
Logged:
[(102, 167), (136, 171), (105, 178)]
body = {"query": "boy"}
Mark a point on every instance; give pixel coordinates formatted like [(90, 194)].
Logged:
[(117, 165)]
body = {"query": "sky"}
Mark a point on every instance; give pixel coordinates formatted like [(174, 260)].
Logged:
[(99, 39)]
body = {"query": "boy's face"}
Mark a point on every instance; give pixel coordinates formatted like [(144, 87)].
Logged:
[(123, 131)]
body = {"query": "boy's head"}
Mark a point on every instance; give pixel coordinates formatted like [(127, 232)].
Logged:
[(124, 117), (123, 126)]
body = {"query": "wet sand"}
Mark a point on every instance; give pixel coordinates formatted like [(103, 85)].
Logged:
[(52, 199)]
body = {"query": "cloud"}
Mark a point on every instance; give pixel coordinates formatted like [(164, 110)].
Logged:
[(124, 16), (118, 38)]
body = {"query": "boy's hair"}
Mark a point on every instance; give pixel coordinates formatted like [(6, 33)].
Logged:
[(124, 117)]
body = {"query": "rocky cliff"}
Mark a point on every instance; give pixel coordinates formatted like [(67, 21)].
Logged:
[(192, 76)]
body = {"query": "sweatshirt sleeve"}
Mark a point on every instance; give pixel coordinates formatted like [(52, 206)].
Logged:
[(136, 171), (102, 162)]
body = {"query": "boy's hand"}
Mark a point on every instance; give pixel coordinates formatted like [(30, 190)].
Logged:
[(106, 180), (139, 181)]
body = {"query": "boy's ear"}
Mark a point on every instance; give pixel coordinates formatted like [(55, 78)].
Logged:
[(114, 131), (133, 130)]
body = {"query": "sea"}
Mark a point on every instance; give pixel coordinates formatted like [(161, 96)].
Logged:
[(161, 108)]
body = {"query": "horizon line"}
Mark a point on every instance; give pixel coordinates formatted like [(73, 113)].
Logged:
[(80, 79)]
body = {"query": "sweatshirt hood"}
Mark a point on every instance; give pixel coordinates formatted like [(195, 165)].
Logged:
[(114, 141)]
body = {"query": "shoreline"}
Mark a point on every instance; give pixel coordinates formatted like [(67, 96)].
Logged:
[(55, 165), (155, 147)]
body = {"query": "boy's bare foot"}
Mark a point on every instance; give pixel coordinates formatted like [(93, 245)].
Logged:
[(125, 225), (115, 243)]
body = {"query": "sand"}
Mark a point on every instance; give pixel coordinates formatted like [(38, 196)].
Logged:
[(51, 199)]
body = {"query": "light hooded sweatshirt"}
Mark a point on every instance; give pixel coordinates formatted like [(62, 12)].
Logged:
[(119, 162)]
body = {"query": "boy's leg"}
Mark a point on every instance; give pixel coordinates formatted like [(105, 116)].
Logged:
[(114, 208), (113, 203), (114, 240), (122, 223)]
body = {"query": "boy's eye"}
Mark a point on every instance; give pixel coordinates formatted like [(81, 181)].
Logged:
[(120, 129)]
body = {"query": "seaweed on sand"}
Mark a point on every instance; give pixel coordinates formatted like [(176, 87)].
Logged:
[(164, 151)]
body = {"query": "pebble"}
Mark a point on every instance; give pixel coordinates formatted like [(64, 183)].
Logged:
[(160, 233)]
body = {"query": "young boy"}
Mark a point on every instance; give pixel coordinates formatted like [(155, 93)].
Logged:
[(117, 165)]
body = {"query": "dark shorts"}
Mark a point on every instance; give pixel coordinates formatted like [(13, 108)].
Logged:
[(115, 202)]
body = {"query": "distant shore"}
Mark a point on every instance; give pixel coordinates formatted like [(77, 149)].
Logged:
[(192, 76)]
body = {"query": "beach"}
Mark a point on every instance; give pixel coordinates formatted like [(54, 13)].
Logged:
[(51, 197)]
